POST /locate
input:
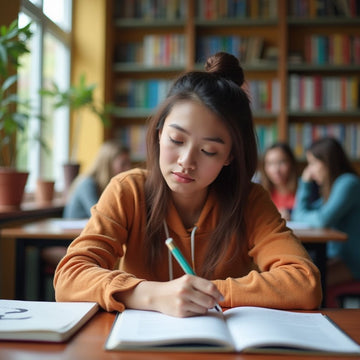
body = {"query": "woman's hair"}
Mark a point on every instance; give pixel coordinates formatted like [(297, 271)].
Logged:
[(101, 170), (219, 89), (293, 175), (330, 152)]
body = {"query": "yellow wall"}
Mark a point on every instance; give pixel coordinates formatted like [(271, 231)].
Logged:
[(88, 57)]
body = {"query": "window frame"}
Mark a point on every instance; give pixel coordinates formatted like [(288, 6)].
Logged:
[(46, 25)]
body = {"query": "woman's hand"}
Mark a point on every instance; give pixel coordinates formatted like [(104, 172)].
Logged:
[(186, 296), (306, 175)]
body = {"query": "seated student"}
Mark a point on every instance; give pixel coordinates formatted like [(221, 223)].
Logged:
[(338, 207), (111, 159), (279, 176), (197, 189)]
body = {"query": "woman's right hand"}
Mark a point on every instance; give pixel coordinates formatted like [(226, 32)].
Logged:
[(306, 175), (186, 296)]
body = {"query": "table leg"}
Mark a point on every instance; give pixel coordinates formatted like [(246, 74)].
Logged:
[(20, 269)]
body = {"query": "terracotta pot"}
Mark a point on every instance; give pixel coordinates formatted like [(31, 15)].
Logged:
[(12, 186), (44, 193)]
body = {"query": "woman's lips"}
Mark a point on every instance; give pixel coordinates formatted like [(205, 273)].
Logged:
[(183, 178)]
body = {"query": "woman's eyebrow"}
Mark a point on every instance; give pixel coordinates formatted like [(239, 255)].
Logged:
[(207, 138)]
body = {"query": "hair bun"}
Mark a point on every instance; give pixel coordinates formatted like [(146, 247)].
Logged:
[(227, 66)]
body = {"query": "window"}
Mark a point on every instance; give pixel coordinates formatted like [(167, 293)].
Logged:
[(47, 62)]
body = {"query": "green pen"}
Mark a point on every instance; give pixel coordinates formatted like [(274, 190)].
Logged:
[(170, 243)]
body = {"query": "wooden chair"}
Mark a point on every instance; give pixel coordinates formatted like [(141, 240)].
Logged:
[(335, 295)]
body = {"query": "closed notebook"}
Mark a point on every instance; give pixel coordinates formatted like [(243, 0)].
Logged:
[(242, 329), (43, 320)]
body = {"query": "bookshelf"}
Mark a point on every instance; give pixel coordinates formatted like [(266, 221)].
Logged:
[(324, 74), (284, 47)]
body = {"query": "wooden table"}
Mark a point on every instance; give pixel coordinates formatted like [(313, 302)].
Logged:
[(50, 232), (88, 344)]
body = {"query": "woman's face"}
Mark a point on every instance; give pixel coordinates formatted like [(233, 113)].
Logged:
[(194, 147), (317, 169), (277, 166)]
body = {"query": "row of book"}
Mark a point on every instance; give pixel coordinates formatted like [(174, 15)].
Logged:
[(264, 95), (246, 49), (307, 93), (150, 9), (153, 50), (318, 8), (139, 93), (266, 136), (301, 135), (337, 49), (170, 49), (134, 137), (227, 9), (164, 50), (148, 93), (325, 93), (132, 52)]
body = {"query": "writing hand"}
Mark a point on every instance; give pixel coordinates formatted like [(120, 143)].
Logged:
[(186, 296)]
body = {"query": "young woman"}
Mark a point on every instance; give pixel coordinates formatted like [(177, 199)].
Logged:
[(279, 177), (111, 159), (338, 207), (202, 155)]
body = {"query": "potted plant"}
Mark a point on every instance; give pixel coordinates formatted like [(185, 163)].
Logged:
[(78, 98), (14, 113)]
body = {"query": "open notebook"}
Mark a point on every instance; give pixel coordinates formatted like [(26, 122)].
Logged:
[(242, 329), (43, 320)]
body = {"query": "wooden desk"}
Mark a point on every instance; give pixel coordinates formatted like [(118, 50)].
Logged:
[(88, 344), (49, 233)]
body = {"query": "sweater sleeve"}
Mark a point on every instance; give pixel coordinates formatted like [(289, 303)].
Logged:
[(284, 276), (88, 270), (319, 214)]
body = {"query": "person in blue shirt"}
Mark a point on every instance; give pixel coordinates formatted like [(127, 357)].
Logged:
[(111, 159), (338, 206)]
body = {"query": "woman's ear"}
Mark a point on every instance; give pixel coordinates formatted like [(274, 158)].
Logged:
[(228, 160)]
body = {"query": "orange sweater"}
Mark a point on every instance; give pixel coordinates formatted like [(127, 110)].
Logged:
[(275, 272)]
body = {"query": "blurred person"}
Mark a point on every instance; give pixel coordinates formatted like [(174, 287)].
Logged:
[(338, 206), (111, 159), (279, 176)]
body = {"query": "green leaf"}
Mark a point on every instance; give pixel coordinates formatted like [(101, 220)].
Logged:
[(8, 82)]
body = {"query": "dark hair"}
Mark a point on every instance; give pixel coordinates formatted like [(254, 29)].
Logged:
[(330, 152), (219, 90), (286, 149)]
